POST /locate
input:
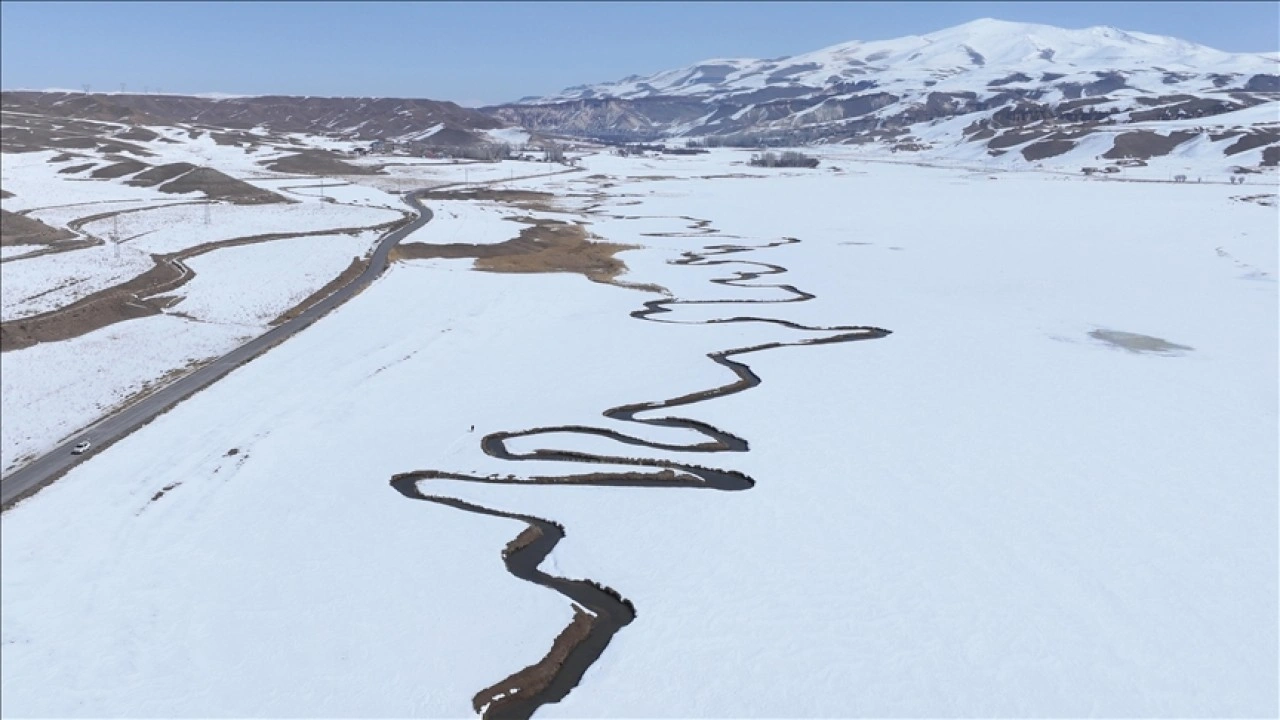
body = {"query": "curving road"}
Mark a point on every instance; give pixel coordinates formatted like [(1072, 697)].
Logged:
[(38, 473), (50, 466)]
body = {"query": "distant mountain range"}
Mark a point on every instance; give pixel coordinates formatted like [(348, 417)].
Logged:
[(357, 118), (1002, 78), (986, 88)]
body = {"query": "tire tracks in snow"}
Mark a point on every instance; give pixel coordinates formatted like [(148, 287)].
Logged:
[(599, 611)]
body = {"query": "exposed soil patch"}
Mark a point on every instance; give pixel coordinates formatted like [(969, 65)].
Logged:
[(75, 143), (164, 490), (140, 134), (1053, 145), (1253, 140), (544, 246), (1014, 137), (71, 170), (120, 147), (1135, 343), (219, 186), (1263, 200), (18, 229), (1047, 149), (159, 174), (5, 194), (1145, 144), (319, 162), (235, 139), (119, 169), (454, 137)]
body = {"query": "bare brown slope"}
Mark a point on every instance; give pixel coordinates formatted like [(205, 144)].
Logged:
[(219, 186), (18, 229), (319, 162), (363, 117)]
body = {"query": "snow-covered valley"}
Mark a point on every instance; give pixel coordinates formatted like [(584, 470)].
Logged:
[(1050, 490)]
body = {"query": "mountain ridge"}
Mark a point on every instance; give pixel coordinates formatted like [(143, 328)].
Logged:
[(992, 84)]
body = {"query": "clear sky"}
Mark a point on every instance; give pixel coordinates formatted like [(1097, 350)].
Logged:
[(480, 53)]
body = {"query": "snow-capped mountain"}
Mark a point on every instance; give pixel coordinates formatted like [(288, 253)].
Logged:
[(1000, 75), (975, 54)]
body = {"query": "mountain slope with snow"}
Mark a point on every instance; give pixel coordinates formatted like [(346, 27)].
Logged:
[(963, 56), (1015, 83)]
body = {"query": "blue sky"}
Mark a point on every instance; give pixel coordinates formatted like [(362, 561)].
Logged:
[(477, 53)]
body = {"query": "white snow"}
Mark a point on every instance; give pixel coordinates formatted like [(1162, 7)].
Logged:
[(966, 56), (53, 389), (987, 513), (9, 251), (35, 182), (252, 285), (34, 285)]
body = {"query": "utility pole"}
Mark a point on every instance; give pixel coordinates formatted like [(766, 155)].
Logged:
[(122, 87), (115, 236)]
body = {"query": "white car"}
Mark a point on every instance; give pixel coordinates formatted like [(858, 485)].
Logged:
[(80, 447)]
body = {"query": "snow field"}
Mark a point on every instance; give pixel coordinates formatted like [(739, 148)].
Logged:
[(35, 182), (40, 284), (51, 390), (235, 294), (389, 374), (254, 284), (986, 513)]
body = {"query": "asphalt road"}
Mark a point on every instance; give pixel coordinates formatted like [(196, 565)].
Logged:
[(50, 466)]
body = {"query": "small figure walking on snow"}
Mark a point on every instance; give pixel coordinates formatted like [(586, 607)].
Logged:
[(473, 428)]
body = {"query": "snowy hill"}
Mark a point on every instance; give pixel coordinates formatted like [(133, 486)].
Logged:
[(1000, 75), (964, 57)]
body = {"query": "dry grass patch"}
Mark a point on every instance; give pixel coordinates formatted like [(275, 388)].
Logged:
[(544, 246), (529, 200)]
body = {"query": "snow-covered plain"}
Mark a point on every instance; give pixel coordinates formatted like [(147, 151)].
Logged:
[(987, 513)]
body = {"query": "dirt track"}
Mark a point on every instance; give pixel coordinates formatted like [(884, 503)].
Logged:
[(139, 297)]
